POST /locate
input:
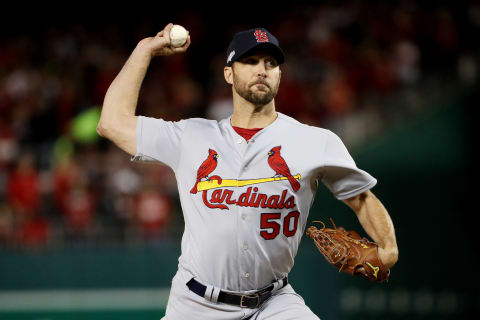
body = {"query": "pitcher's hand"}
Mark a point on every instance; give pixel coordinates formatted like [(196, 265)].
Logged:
[(160, 44)]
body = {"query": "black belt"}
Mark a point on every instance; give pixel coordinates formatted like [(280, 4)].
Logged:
[(252, 300)]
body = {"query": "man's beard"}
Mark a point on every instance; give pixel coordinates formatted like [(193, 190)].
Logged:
[(259, 98)]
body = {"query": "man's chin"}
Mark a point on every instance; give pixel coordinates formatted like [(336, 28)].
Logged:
[(260, 95), (260, 99), (256, 97)]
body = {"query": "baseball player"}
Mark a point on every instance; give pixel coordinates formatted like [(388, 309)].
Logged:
[(246, 183)]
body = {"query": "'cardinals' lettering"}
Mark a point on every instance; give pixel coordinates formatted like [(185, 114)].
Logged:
[(248, 199)]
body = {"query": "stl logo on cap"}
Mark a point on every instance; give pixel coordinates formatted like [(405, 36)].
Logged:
[(261, 36)]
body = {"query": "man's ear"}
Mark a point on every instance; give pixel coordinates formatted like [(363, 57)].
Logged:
[(228, 74)]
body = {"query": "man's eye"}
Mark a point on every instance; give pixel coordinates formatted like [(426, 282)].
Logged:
[(271, 63)]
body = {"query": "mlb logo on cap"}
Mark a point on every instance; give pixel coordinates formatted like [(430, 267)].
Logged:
[(246, 41)]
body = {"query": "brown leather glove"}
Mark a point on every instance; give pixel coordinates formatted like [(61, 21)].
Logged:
[(348, 252)]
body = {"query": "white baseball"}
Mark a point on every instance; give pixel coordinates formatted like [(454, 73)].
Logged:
[(178, 35)]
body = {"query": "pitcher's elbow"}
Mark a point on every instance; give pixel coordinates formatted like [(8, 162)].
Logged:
[(102, 129), (393, 256)]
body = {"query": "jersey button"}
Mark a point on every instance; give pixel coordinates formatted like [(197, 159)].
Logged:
[(244, 216), (247, 275), (239, 141), (245, 246)]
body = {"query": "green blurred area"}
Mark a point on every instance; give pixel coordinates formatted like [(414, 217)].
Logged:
[(84, 126), (422, 181)]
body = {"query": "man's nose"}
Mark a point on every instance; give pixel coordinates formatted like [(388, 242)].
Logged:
[(260, 69)]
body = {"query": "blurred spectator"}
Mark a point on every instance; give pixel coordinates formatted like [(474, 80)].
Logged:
[(186, 97), (34, 232), (8, 144), (7, 227), (405, 62), (220, 108), (336, 95), (23, 187), (79, 214), (66, 176), (152, 212)]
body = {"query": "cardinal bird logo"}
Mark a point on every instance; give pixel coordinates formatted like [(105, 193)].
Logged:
[(206, 168), (278, 164)]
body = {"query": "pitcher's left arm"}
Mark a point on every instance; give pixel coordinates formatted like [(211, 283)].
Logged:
[(377, 223)]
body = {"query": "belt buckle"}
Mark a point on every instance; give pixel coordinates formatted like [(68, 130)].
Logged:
[(252, 296)]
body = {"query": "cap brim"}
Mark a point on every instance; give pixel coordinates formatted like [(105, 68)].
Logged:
[(270, 48)]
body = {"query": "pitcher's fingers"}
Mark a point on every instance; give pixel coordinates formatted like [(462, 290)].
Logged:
[(184, 47), (160, 39), (166, 33)]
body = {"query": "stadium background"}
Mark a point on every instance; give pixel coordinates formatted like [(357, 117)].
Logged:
[(85, 233)]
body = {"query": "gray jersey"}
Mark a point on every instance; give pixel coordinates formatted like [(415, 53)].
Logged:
[(246, 205)]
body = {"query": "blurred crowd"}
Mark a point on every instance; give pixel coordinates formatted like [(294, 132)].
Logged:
[(352, 67)]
